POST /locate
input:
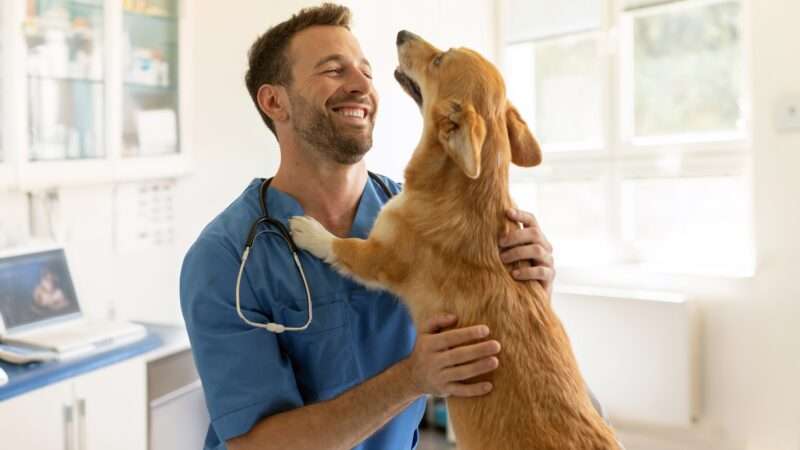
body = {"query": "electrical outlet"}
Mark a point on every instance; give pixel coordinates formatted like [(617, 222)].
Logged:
[(787, 114)]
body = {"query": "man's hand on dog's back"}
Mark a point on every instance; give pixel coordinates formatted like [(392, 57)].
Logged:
[(444, 357)]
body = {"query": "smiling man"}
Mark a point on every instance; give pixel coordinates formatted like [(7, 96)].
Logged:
[(357, 376)]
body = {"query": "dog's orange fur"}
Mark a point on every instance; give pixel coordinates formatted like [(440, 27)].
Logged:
[(435, 245)]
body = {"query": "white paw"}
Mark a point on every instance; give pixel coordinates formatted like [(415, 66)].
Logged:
[(310, 235)]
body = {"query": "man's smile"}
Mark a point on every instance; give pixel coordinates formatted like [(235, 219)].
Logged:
[(353, 113)]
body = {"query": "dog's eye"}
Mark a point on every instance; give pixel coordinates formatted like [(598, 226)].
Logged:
[(438, 60)]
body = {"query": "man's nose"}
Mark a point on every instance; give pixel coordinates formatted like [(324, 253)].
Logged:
[(358, 83)]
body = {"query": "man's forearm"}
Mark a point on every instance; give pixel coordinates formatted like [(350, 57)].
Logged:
[(337, 424)]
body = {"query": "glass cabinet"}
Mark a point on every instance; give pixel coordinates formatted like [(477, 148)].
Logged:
[(150, 60), (97, 88), (65, 79)]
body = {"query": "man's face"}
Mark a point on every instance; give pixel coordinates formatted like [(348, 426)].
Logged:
[(332, 99)]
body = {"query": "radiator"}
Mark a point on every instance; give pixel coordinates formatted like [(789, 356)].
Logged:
[(638, 351)]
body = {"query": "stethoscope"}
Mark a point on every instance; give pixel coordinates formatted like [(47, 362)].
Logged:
[(281, 230)]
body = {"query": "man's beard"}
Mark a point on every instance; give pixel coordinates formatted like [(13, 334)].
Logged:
[(321, 134)]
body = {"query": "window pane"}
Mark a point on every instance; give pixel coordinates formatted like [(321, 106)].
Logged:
[(573, 216), (566, 86), (534, 19), (574, 209), (519, 81), (569, 83), (688, 221), (688, 71)]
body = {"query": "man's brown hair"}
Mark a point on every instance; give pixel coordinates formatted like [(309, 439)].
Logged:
[(268, 61)]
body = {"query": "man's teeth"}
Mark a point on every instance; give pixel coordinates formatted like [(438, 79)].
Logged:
[(352, 112)]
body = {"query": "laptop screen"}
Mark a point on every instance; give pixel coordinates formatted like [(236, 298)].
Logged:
[(35, 288)]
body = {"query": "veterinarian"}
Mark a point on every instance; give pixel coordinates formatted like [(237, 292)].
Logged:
[(357, 376)]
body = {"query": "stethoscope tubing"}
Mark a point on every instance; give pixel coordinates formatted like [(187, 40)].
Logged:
[(285, 234)]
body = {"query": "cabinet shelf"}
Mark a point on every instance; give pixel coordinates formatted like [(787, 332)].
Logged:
[(135, 15), (149, 87), (65, 79), (91, 4)]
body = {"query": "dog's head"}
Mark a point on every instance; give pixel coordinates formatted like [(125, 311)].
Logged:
[(462, 95)]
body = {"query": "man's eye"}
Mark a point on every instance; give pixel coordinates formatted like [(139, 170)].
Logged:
[(336, 71), (368, 75)]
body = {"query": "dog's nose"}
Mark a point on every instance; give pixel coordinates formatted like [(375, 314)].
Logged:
[(404, 36)]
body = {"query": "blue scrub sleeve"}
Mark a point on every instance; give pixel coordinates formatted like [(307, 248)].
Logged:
[(245, 375)]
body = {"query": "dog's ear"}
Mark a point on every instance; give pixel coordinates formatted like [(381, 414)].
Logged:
[(461, 132), (525, 149)]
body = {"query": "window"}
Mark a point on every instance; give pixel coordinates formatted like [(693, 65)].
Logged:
[(641, 111)]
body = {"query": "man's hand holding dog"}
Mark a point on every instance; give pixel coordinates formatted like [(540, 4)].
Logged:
[(443, 358), (528, 244)]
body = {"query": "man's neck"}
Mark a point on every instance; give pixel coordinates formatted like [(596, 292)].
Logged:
[(327, 191)]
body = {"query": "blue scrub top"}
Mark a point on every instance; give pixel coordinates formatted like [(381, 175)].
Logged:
[(249, 373)]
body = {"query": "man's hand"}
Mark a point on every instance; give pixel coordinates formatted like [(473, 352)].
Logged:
[(442, 360), (528, 243)]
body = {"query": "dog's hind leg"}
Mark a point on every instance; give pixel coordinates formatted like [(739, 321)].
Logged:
[(368, 261)]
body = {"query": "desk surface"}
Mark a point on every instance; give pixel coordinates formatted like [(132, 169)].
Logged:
[(27, 377)]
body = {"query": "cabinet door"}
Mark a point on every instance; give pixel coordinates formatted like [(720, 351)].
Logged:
[(64, 49), (150, 122), (41, 419), (111, 408)]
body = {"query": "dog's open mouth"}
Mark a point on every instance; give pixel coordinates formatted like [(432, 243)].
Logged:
[(409, 85)]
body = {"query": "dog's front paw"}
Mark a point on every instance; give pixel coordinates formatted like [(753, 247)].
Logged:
[(310, 235)]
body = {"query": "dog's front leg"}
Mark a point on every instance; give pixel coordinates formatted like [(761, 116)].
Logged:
[(369, 261)]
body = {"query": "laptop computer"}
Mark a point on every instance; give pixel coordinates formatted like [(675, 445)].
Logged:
[(39, 308)]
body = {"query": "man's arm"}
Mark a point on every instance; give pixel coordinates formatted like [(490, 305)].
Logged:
[(437, 365), (339, 423)]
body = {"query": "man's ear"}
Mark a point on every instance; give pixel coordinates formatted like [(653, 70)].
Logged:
[(461, 132), (525, 150), (271, 103)]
